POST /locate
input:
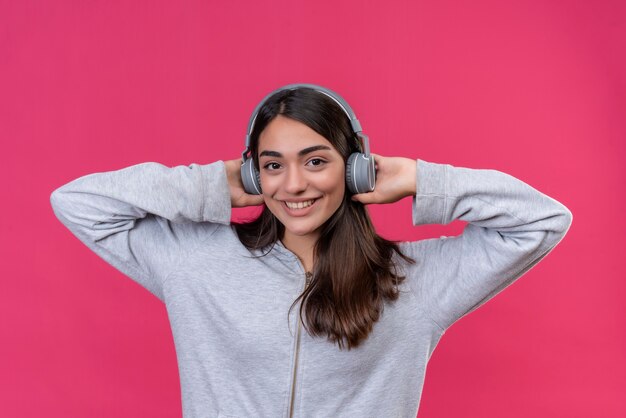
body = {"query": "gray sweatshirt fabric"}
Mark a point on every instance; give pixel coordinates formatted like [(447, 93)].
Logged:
[(239, 355)]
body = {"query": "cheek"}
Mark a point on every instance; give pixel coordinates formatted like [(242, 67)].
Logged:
[(338, 183), (340, 192), (335, 187), (268, 185)]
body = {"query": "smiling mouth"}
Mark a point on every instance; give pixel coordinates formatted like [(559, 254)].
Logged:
[(299, 205)]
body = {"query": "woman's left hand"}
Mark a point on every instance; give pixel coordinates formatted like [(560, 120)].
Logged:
[(395, 180)]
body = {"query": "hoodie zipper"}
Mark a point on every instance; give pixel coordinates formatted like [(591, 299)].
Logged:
[(292, 396)]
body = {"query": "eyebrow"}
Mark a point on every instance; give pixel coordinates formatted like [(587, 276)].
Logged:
[(301, 153)]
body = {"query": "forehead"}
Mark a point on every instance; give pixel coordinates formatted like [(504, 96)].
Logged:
[(287, 135)]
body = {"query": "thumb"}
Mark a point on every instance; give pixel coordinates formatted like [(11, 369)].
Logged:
[(245, 199), (365, 198), (253, 200)]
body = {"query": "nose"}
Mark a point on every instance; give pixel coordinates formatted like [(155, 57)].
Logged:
[(295, 181)]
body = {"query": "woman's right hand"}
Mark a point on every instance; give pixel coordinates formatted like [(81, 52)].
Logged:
[(238, 196)]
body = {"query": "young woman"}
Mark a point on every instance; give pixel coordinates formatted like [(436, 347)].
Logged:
[(370, 311)]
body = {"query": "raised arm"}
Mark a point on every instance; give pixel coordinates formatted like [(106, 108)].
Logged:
[(511, 227), (143, 219)]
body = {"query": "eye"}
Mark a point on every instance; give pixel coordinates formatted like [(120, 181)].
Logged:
[(271, 166), (317, 162)]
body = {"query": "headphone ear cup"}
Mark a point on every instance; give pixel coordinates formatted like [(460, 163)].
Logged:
[(258, 180), (350, 172), (250, 177), (360, 173)]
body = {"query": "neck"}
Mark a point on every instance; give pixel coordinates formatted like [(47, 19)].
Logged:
[(301, 246)]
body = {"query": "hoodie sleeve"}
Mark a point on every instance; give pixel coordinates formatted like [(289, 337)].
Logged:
[(511, 227), (143, 219)]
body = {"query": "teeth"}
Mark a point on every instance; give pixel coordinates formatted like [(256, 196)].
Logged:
[(299, 205)]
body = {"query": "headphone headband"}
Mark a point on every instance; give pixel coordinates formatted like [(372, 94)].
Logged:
[(354, 122)]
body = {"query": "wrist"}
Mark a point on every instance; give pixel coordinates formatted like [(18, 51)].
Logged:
[(410, 174), (232, 166)]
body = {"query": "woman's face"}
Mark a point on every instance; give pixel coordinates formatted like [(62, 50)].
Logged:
[(302, 176)]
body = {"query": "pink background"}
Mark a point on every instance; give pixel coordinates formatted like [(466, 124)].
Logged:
[(535, 89)]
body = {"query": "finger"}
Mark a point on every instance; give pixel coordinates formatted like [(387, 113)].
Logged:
[(254, 200), (365, 198), (377, 160), (249, 200)]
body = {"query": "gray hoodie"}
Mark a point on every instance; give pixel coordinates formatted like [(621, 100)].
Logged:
[(238, 355)]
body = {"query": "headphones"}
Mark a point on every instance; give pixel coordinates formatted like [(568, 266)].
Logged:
[(360, 168)]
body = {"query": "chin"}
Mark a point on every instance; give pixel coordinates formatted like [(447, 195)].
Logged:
[(300, 232)]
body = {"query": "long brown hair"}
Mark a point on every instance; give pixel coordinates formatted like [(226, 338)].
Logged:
[(354, 273)]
